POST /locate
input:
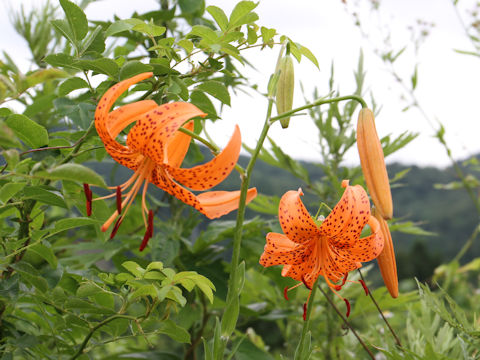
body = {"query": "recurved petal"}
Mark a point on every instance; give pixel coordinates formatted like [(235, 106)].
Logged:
[(206, 176), (301, 272), (218, 203), (212, 204), (155, 129), (294, 218), (178, 146), (280, 250), (362, 249), (347, 219)]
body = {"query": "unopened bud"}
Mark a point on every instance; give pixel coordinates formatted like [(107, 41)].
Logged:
[(373, 163), (386, 259), (285, 87)]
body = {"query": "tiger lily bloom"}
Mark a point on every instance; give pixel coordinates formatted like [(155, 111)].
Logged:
[(154, 150), (386, 259), (373, 163), (332, 249)]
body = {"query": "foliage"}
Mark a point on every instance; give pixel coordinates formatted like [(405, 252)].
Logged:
[(67, 291)]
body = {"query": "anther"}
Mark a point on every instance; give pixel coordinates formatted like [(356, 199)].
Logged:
[(348, 307), (149, 233), (365, 288), (115, 228), (88, 196), (305, 312), (285, 291), (119, 200), (344, 279), (305, 283)]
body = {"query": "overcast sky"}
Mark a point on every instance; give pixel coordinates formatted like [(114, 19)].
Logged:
[(448, 84)]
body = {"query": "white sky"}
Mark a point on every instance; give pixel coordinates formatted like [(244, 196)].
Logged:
[(448, 84)]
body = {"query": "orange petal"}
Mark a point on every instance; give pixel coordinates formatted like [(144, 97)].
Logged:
[(280, 250), (206, 176), (217, 203), (386, 260), (178, 147), (348, 217), (294, 218), (212, 204), (154, 130)]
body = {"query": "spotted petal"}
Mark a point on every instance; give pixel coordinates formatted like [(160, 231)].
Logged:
[(294, 218), (206, 176), (178, 146), (280, 250)]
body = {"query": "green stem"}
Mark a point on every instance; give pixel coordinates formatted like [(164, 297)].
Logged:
[(306, 324), (317, 103), (397, 340), (98, 326), (467, 244), (332, 304)]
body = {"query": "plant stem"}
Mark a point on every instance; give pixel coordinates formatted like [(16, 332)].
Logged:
[(347, 323), (317, 103), (306, 323), (397, 340)]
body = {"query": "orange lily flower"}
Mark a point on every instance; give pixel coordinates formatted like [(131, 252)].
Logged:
[(154, 150), (332, 249)]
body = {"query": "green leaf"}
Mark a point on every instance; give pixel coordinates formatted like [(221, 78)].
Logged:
[(64, 29), (252, 36), (4, 112), (267, 34), (46, 253), (76, 19), (144, 290), (71, 223), (219, 341), (131, 68), (8, 190), (242, 14), (200, 100), (41, 76), (177, 333), (240, 277), (30, 274), (230, 316), (155, 265), (31, 133), (134, 268), (87, 289), (71, 84), (101, 66), (186, 44), (309, 55), (150, 29), (43, 195), (73, 172), (60, 60), (219, 17), (94, 42), (207, 34), (196, 7), (216, 89)]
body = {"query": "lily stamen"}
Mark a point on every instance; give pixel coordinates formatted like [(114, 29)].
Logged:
[(287, 289), (119, 199)]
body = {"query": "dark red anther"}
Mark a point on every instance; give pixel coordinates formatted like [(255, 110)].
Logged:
[(348, 307), (285, 293), (149, 233), (305, 312), (119, 200), (338, 287), (144, 243), (305, 283), (88, 196), (365, 288), (115, 228), (344, 279)]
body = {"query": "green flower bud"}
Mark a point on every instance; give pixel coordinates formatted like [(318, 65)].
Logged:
[(285, 87)]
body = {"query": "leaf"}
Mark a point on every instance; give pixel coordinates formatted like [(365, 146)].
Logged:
[(216, 89), (240, 277), (8, 190), (43, 195), (94, 42), (219, 16), (76, 19), (155, 265), (309, 55), (71, 84), (209, 35), (200, 100), (131, 68), (71, 223), (134, 268), (242, 14), (186, 44), (60, 60), (101, 66), (46, 253), (64, 29), (41, 76), (150, 29), (30, 274), (230, 316), (88, 288), (144, 290), (192, 6), (73, 172), (31, 133), (177, 333), (267, 34)]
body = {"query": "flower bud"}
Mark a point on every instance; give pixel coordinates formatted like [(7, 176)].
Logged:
[(285, 87), (373, 163), (386, 259)]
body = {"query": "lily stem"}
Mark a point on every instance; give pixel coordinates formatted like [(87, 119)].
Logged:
[(339, 313), (299, 353), (397, 340), (318, 102)]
